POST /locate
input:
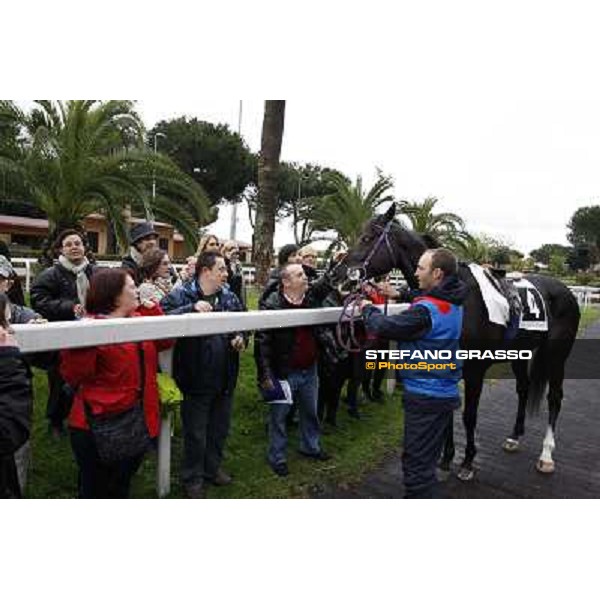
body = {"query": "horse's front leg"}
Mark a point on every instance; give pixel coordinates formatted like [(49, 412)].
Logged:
[(473, 386)]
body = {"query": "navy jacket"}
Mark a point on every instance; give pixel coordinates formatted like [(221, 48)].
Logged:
[(206, 363)]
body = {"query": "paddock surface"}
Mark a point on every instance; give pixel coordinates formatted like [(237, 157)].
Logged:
[(503, 475)]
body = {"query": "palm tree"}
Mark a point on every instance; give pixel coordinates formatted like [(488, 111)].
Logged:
[(446, 227), (83, 156), (268, 168), (349, 207), (471, 248)]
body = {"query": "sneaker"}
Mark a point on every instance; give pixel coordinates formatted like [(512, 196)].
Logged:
[(280, 469), (195, 491), (320, 456)]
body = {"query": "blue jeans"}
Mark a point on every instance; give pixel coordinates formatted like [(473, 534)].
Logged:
[(304, 384)]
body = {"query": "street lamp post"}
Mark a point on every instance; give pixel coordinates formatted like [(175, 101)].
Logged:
[(233, 226), (156, 136)]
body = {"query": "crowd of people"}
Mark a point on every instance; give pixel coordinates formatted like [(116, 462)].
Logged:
[(106, 398)]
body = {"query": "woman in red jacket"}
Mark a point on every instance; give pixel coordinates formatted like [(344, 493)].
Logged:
[(108, 379)]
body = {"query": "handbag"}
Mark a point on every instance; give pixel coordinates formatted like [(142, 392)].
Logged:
[(122, 435), (168, 392)]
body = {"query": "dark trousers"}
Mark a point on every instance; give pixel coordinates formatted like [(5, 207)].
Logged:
[(426, 423), (205, 418), (331, 381), (9, 479), (355, 372), (98, 479), (59, 399)]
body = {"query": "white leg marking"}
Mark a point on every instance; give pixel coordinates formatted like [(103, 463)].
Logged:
[(545, 463)]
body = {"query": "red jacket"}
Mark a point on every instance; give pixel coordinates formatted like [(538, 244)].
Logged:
[(108, 378), (376, 298)]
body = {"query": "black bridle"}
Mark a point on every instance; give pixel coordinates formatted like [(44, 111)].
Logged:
[(348, 315), (382, 239)]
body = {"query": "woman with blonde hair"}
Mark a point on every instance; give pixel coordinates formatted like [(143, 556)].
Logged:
[(208, 243)]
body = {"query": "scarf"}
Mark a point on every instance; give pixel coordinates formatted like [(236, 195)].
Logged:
[(136, 255), (82, 281)]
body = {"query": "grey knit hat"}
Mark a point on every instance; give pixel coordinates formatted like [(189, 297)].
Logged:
[(140, 231)]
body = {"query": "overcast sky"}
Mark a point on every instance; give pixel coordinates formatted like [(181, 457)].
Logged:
[(513, 162)]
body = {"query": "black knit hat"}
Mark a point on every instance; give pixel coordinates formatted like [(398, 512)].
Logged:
[(285, 252), (140, 231)]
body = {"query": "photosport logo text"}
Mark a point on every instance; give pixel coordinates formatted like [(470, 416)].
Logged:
[(446, 360)]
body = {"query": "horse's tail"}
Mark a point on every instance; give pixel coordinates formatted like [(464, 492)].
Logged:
[(538, 377)]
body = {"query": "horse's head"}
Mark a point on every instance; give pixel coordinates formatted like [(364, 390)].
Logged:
[(385, 244)]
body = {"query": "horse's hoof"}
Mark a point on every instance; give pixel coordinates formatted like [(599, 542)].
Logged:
[(466, 474), (545, 466), (510, 445)]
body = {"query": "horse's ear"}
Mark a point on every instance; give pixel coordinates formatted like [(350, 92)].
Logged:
[(430, 241), (390, 213)]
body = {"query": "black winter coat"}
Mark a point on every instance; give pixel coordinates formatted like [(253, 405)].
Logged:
[(134, 270), (16, 404), (235, 280), (54, 293), (207, 363), (273, 347)]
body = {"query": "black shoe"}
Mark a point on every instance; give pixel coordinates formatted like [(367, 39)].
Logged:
[(320, 456), (280, 469), (353, 412)]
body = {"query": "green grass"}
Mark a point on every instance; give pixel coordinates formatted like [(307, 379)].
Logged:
[(356, 446), (589, 314)]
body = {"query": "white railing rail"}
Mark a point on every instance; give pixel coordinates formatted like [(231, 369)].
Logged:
[(584, 293), (94, 332)]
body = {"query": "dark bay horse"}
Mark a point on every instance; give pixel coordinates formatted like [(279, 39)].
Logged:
[(385, 245)]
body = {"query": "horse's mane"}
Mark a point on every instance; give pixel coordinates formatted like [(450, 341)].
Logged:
[(428, 239)]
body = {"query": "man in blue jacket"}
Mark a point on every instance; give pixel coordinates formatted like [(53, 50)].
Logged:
[(432, 322), (205, 369)]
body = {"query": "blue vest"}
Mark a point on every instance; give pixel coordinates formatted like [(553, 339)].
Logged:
[(446, 327)]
